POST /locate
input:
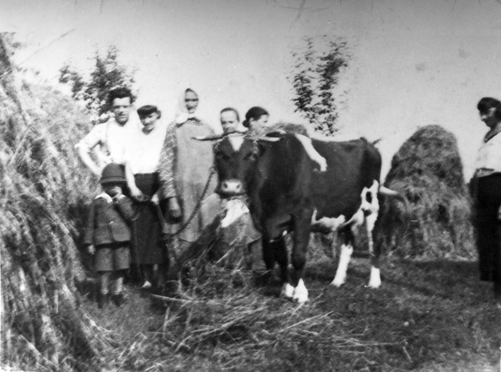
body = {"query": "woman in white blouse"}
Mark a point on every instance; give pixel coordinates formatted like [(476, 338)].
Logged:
[(142, 156), (488, 195)]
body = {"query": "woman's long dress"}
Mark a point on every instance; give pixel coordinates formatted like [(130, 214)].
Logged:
[(184, 170), (151, 250)]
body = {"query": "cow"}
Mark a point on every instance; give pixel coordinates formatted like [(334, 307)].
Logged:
[(286, 193)]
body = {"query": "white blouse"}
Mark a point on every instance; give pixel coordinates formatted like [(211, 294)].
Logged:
[(143, 150), (489, 157)]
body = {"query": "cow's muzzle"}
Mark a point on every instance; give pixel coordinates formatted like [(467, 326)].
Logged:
[(231, 187)]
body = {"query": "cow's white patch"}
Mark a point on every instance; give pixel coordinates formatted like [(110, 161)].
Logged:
[(287, 290), (344, 261), (371, 212), (326, 223), (236, 142), (375, 280), (234, 208), (231, 187), (300, 293)]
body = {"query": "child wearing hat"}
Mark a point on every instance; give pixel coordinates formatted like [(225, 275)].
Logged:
[(108, 235)]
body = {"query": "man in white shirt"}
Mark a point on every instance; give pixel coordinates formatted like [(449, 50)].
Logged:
[(111, 137)]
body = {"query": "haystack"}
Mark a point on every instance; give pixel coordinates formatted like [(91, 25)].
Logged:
[(428, 170), (42, 201)]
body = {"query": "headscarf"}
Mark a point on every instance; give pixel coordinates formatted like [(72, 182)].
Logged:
[(182, 114)]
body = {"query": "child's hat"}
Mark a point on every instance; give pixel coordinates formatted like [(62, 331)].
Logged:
[(112, 173)]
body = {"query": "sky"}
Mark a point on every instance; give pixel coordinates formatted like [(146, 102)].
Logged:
[(413, 63)]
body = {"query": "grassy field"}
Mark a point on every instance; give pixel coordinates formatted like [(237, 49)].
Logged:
[(428, 316)]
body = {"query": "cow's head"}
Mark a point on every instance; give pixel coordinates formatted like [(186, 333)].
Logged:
[(235, 158)]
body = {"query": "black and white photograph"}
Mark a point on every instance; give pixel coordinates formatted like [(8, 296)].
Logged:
[(250, 185)]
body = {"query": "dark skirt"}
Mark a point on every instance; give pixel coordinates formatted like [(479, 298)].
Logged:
[(150, 249)]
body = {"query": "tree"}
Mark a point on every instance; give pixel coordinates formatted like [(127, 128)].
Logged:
[(107, 74), (315, 76)]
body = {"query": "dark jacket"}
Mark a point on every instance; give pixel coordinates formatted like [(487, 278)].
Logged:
[(107, 221)]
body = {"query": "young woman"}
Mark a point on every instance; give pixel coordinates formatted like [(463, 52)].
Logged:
[(256, 119), (487, 194), (141, 169)]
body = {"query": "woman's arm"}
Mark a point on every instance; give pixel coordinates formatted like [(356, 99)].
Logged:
[(312, 153), (131, 182), (166, 171)]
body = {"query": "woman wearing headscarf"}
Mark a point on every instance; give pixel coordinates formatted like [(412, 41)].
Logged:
[(185, 173)]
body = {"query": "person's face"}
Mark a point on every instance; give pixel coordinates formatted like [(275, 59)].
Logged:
[(260, 123), (121, 108), (489, 117), (229, 120), (191, 101), (149, 121), (112, 188)]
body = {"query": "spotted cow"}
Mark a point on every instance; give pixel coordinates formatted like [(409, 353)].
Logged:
[(287, 193)]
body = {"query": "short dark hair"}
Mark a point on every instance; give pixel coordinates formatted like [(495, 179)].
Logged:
[(486, 103), (254, 113), (227, 109), (147, 110), (119, 93)]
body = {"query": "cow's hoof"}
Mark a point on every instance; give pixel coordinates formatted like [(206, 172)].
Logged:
[(374, 285), (300, 293), (338, 282), (375, 280), (287, 291)]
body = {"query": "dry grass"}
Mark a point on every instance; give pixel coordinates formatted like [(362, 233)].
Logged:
[(42, 198), (429, 316), (428, 171)]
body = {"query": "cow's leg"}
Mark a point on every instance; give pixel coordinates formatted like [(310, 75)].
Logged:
[(268, 253), (371, 212), (269, 261), (344, 259), (301, 240), (281, 257)]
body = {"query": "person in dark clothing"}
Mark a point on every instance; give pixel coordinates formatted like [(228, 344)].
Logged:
[(108, 235), (487, 195)]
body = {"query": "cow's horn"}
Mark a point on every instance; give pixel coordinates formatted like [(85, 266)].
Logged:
[(212, 137), (269, 139)]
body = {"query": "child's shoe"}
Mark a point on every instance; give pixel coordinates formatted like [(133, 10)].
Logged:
[(102, 300)]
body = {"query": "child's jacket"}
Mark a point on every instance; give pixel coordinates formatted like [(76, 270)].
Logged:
[(107, 220)]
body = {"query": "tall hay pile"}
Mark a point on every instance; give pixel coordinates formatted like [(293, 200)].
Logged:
[(427, 169), (43, 191)]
